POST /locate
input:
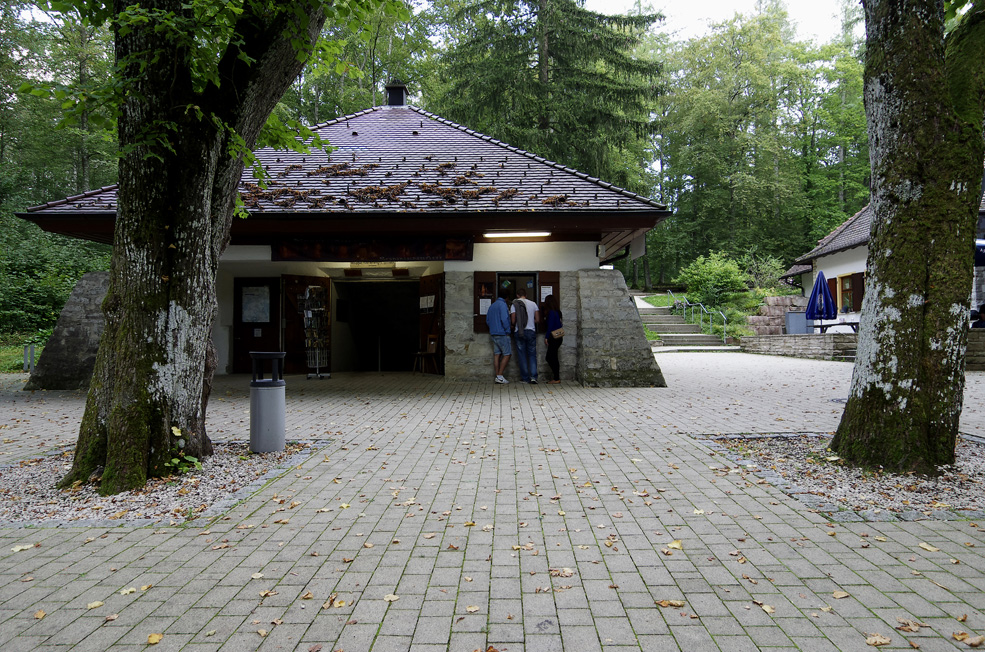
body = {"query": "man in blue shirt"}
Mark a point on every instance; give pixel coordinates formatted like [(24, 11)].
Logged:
[(498, 319)]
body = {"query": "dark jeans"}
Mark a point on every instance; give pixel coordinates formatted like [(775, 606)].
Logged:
[(526, 354), (552, 360)]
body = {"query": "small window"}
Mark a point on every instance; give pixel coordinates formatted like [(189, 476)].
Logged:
[(846, 300)]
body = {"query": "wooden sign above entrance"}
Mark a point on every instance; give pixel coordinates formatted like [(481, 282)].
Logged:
[(373, 250)]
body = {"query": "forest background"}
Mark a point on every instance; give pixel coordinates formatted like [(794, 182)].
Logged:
[(754, 139)]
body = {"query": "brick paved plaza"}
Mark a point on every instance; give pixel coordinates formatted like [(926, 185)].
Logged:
[(526, 518)]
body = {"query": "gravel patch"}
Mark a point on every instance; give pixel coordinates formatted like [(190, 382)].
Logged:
[(28, 495), (803, 466)]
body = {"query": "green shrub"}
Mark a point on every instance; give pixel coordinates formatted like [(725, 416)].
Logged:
[(764, 271), (712, 279)]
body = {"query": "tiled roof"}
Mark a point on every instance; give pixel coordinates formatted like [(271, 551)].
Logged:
[(853, 232), (402, 159), (797, 270)]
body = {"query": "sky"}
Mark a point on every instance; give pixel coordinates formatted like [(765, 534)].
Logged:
[(815, 19)]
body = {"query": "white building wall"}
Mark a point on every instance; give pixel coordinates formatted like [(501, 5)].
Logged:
[(528, 256)]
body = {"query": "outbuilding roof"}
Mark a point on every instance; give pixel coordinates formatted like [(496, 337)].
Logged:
[(853, 232), (405, 164)]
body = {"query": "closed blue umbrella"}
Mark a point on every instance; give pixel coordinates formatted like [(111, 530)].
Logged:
[(821, 305)]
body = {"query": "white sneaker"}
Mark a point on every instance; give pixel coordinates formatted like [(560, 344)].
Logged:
[(502, 381)]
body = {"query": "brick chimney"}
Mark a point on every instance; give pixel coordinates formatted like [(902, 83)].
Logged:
[(396, 93)]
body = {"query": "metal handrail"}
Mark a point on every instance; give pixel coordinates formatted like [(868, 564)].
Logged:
[(684, 305)]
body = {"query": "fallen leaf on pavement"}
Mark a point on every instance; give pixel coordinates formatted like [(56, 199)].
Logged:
[(110, 618), (960, 636), (391, 597), (262, 633), (39, 614), (929, 548), (93, 605), (975, 641), (256, 576), (675, 545), (962, 618), (670, 603), (22, 548), (838, 595), (154, 639), (128, 591), (875, 640), (472, 609), (768, 609), (308, 596)]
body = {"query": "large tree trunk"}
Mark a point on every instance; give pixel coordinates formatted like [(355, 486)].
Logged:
[(154, 368), (926, 158)]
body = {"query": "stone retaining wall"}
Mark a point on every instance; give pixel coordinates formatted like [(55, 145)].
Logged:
[(613, 350), (975, 357), (468, 355), (771, 319), (829, 346), (604, 343), (839, 346), (69, 356)]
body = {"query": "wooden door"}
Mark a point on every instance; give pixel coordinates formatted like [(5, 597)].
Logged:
[(256, 319), (296, 337), (432, 316)]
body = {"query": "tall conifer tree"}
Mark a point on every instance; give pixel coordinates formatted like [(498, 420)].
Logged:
[(556, 79)]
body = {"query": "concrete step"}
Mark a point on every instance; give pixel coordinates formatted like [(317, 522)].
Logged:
[(655, 310), (690, 340), (661, 329), (662, 319)]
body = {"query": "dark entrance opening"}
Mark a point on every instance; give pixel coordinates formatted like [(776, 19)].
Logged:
[(382, 320)]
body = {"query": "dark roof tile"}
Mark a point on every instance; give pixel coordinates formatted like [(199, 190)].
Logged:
[(853, 232), (378, 165)]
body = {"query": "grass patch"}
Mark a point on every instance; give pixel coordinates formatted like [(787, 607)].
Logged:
[(12, 351), (661, 300)]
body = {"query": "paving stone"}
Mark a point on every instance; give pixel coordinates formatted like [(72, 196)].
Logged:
[(389, 434)]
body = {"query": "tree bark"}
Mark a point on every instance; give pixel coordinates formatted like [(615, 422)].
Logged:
[(926, 156), (154, 368)]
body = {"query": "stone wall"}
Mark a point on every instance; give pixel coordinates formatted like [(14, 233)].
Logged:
[(975, 358), (771, 319), (840, 346), (70, 354), (604, 344), (468, 355), (613, 350), (829, 346)]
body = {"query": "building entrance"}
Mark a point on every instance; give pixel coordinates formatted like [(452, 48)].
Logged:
[(376, 325)]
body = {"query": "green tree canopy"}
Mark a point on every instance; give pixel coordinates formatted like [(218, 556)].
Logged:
[(553, 78)]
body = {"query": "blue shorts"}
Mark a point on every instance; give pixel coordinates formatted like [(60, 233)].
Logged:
[(501, 345)]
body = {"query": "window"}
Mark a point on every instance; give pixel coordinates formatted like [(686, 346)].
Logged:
[(488, 284), (850, 289), (845, 300)]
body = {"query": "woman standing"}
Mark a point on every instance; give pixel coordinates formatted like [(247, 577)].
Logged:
[(554, 324)]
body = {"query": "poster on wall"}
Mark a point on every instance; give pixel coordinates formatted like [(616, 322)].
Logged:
[(256, 304), (484, 306), (545, 291)]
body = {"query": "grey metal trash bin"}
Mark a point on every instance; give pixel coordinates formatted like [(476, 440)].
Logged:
[(267, 403)]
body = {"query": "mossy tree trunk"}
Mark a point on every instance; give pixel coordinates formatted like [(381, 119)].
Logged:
[(178, 178), (923, 101)]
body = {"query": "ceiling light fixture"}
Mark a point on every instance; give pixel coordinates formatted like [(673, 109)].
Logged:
[(517, 234)]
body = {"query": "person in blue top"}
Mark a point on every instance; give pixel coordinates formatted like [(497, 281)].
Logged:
[(498, 319)]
